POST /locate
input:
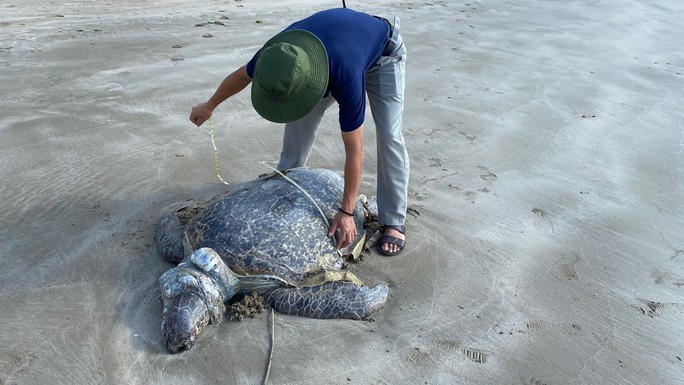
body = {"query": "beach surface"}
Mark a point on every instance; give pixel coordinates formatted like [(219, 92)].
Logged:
[(545, 241)]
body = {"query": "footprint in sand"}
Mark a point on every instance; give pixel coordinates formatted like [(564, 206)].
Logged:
[(488, 177), (439, 354), (542, 221), (476, 355), (550, 327), (567, 268), (660, 277), (654, 309)]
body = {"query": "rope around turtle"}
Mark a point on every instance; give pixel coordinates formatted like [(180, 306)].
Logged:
[(334, 237), (218, 174), (270, 355), (300, 189), (312, 201)]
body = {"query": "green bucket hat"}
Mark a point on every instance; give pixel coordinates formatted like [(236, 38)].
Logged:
[(290, 76)]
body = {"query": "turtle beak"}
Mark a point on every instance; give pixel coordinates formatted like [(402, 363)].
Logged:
[(185, 317)]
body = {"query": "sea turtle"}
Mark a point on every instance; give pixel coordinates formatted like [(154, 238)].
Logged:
[(265, 236)]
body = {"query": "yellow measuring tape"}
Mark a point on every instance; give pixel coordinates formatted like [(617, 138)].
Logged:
[(216, 159)]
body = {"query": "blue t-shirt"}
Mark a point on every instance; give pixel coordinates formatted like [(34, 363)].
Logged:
[(354, 41)]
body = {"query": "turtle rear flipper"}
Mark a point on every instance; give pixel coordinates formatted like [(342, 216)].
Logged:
[(339, 299)]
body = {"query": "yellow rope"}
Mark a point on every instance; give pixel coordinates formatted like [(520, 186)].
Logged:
[(216, 158)]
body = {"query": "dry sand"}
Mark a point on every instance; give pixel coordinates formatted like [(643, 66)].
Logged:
[(545, 237)]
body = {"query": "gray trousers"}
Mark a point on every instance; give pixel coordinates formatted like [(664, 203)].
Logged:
[(385, 89)]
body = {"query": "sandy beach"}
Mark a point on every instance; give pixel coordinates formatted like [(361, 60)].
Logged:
[(545, 241)]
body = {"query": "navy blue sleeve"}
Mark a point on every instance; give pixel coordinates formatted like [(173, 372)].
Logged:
[(350, 93), (251, 64)]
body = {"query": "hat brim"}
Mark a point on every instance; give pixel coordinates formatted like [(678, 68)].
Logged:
[(297, 106)]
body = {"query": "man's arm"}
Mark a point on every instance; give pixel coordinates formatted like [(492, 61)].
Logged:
[(353, 168), (231, 85)]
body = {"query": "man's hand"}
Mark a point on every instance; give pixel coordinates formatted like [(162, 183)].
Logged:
[(231, 85), (343, 223), (201, 113), (346, 229)]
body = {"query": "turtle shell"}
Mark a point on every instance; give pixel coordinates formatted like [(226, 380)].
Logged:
[(269, 226)]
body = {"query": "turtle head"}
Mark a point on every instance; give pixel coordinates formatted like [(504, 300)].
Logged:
[(185, 317), (194, 293)]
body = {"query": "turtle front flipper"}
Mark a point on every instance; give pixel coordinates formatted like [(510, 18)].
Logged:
[(169, 238), (339, 299)]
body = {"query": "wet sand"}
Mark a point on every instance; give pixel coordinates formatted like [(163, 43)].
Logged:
[(544, 244)]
